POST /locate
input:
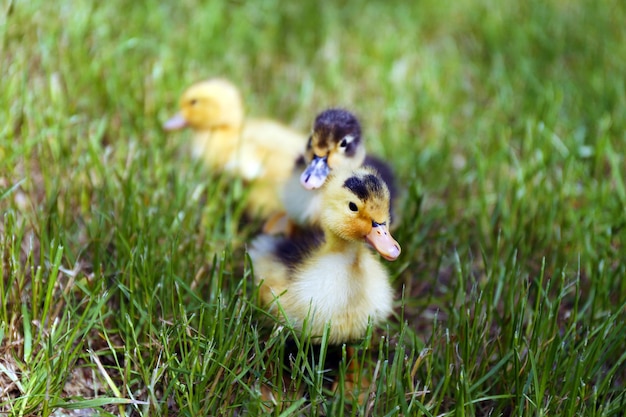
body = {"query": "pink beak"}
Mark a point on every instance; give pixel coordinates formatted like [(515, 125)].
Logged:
[(383, 242), (177, 122), (315, 174)]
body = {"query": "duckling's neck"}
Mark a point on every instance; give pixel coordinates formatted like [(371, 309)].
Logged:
[(350, 249), (217, 145)]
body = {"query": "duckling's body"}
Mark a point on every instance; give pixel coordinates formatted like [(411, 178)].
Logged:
[(262, 152), (335, 145), (333, 277)]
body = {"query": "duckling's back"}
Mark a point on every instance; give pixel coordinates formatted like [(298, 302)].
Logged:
[(273, 146), (266, 157)]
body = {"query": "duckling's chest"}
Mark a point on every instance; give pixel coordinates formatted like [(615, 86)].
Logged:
[(336, 290)]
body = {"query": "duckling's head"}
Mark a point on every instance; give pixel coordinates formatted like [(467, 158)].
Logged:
[(208, 105), (356, 207), (335, 143)]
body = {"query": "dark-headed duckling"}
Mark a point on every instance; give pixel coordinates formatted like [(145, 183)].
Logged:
[(335, 145)]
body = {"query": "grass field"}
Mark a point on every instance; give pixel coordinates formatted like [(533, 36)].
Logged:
[(126, 289)]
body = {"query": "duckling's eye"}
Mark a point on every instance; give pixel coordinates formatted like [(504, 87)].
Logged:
[(193, 102), (343, 143), (309, 144), (353, 206)]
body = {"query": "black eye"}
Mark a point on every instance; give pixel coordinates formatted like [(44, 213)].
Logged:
[(309, 143), (353, 206), (343, 143), (193, 102)]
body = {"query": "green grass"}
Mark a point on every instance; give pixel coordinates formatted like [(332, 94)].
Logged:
[(126, 289)]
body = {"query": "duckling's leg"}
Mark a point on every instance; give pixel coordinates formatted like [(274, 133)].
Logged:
[(270, 395), (279, 223), (354, 378), (277, 389)]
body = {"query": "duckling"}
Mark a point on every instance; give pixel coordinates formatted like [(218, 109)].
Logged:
[(332, 277), (261, 152), (335, 144)]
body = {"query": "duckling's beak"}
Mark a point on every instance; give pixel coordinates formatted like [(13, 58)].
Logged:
[(315, 174), (177, 122), (380, 238)]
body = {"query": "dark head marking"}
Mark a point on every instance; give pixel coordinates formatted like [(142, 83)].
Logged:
[(336, 124), (365, 186), (384, 171)]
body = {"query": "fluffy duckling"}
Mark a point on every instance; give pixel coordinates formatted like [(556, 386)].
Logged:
[(333, 277), (335, 144), (262, 152)]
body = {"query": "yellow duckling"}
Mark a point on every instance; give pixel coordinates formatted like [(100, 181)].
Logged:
[(262, 152), (335, 144), (333, 278)]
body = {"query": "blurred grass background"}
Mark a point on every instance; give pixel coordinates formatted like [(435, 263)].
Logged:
[(124, 276)]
